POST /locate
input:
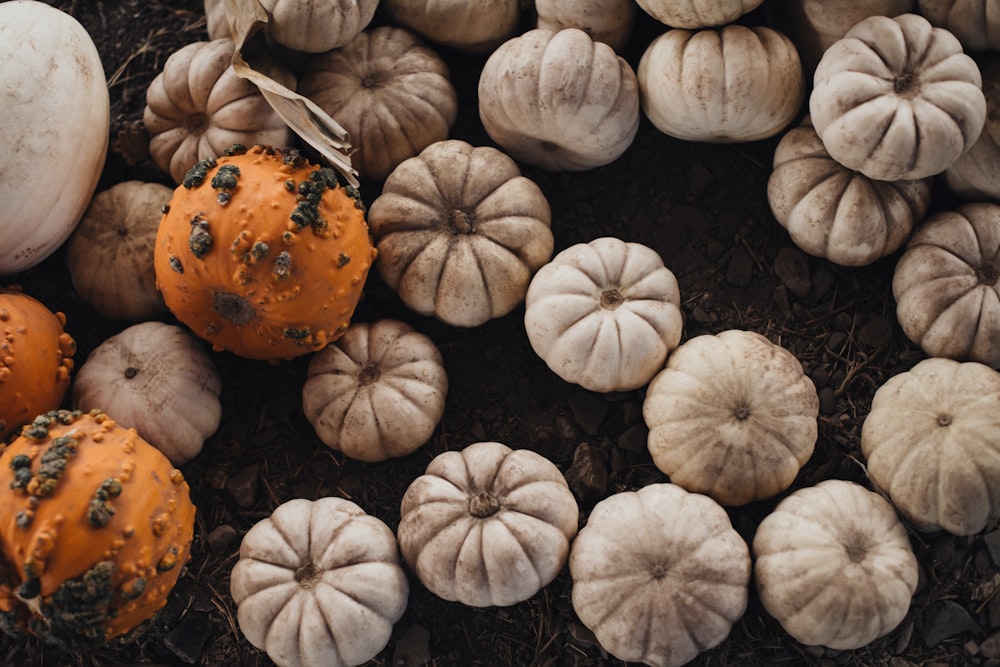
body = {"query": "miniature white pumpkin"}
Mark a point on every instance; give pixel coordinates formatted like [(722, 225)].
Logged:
[(976, 175), (315, 26), (731, 84), (559, 100), (697, 13), (198, 106), (834, 212), (377, 392), (110, 253), (158, 379), (833, 564), (947, 285), (732, 416), (897, 99), (487, 525), (216, 19), (930, 444), (604, 314), (319, 584), (460, 232), (390, 92), (54, 133), (976, 23), (659, 574), (475, 27), (608, 21)]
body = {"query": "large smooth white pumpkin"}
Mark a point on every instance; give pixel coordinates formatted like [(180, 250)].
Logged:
[(54, 135)]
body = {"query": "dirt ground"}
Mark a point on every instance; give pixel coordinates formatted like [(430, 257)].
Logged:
[(703, 208)]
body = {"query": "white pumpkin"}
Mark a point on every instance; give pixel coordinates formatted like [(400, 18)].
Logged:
[(216, 19), (604, 314), (976, 23), (377, 392), (608, 21), (732, 416), (976, 175), (315, 26), (731, 84), (460, 232), (198, 106), (897, 99), (834, 212), (930, 444), (475, 27), (659, 575), (487, 525), (319, 584), (695, 14), (833, 563), (158, 379), (559, 100), (54, 135)]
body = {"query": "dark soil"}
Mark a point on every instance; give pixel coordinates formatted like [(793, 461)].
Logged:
[(703, 208)]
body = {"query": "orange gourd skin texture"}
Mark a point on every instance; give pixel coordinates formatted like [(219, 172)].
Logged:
[(263, 254), (36, 357), (95, 528)]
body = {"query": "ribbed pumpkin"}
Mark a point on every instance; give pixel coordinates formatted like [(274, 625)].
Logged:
[(36, 357), (95, 527), (263, 254)]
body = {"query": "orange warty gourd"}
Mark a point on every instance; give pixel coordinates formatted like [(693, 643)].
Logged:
[(95, 528), (36, 357), (263, 254)]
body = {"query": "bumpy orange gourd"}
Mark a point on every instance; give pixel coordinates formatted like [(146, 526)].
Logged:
[(263, 254), (36, 357), (95, 528)]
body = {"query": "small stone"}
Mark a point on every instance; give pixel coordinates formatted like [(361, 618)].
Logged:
[(876, 333), (587, 476), (243, 487), (990, 647), (740, 270), (992, 541), (219, 539), (413, 647), (827, 401), (946, 620), (634, 438), (187, 639), (589, 411), (567, 429), (791, 266)]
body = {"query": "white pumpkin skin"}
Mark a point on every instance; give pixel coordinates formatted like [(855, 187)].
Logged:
[(390, 92), (733, 84), (659, 574), (976, 175), (929, 440), (604, 314), (216, 19), (837, 213), (197, 107), (559, 100), (315, 26), (378, 392), (833, 564), (475, 27), (460, 232), (693, 14), (947, 285), (54, 135), (976, 23), (319, 584), (897, 99), (110, 253), (608, 21), (158, 379), (487, 525), (732, 416)]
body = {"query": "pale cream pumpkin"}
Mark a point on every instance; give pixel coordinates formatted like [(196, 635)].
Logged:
[(487, 525), (559, 100), (731, 84), (976, 23), (976, 175), (315, 26), (391, 92), (896, 99), (834, 212), (732, 415), (460, 232), (695, 14), (608, 21), (476, 27), (604, 314), (947, 285), (834, 565), (378, 392), (659, 574), (216, 19)]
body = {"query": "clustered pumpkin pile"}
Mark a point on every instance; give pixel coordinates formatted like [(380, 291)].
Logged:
[(264, 254)]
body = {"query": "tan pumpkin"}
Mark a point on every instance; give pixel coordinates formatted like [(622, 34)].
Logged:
[(947, 285), (975, 176), (559, 100), (477, 27), (976, 23), (732, 415), (390, 92), (216, 19), (487, 525), (110, 254), (833, 563), (158, 379), (731, 84), (36, 357), (897, 99), (198, 106), (693, 14), (315, 26), (460, 232), (659, 575), (378, 392), (608, 21), (837, 213)]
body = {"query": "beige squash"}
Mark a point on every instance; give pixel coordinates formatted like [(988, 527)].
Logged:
[(315, 26), (694, 14), (475, 27), (608, 21), (975, 176), (976, 23)]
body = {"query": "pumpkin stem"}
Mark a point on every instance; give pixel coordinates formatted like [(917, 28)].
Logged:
[(906, 85), (369, 374), (460, 222), (234, 308), (196, 123), (611, 299), (307, 575), (987, 274), (944, 420), (483, 504), (131, 372)]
